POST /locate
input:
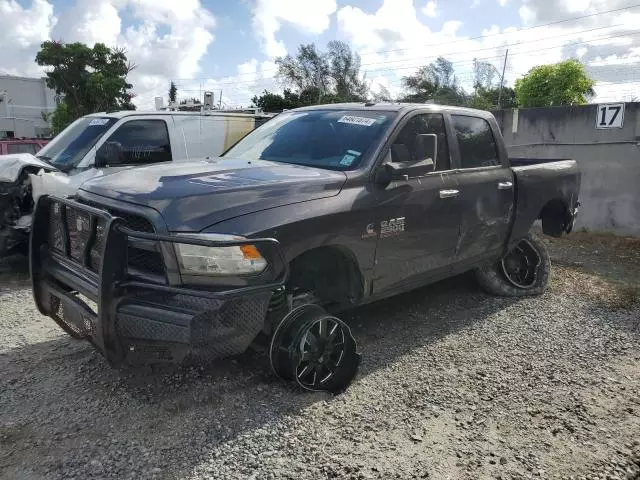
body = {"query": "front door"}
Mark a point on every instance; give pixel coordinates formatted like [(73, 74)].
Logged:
[(417, 218), (486, 186)]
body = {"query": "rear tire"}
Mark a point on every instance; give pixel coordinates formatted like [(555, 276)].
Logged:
[(523, 271)]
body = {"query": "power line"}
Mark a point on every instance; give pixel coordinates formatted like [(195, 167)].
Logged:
[(629, 33), (388, 72), (513, 32), (520, 29)]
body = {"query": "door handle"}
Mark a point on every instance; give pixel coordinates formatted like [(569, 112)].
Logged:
[(505, 186), (449, 193)]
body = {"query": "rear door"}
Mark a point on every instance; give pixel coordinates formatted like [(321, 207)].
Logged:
[(486, 186), (417, 218)]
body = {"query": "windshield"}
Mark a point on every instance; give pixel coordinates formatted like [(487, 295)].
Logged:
[(332, 139), (71, 145)]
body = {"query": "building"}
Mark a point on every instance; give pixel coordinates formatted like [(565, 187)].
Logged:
[(23, 101)]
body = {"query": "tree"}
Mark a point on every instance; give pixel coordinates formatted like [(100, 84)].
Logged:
[(60, 118), (382, 95), (487, 99), (344, 70), (173, 93), (91, 79), (309, 68), (323, 77), (274, 102), (485, 75), (564, 83), (436, 82)]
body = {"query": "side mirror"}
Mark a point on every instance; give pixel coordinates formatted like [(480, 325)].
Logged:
[(427, 146), (406, 170), (427, 151), (110, 153)]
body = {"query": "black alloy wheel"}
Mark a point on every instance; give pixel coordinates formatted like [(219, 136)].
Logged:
[(314, 349), (322, 348), (520, 266)]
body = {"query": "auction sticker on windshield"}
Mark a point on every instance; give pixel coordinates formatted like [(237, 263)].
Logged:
[(367, 122), (98, 121)]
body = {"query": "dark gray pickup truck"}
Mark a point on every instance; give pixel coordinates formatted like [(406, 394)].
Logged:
[(320, 209)]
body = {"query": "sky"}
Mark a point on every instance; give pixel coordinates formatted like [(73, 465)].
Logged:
[(229, 46)]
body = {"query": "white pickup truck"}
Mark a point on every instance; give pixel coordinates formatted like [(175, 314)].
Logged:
[(84, 150)]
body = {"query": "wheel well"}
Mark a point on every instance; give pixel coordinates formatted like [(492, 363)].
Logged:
[(555, 217), (331, 273)]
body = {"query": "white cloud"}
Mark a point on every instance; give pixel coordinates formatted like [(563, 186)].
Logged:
[(309, 18), (166, 41), (526, 15), (169, 39), (252, 78), (394, 43), (617, 92), (89, 22), (503, 2), (22, 30), (430, 9)]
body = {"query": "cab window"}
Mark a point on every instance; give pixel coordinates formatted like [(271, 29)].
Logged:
[(142, 142), (405, 146), (477, 144)]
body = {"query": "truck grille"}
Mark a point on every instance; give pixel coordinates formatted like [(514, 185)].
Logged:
[(80, 232)]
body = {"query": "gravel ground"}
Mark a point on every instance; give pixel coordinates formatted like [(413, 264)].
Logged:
[(454, 384)]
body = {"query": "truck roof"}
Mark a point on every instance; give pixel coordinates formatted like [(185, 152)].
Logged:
[(212, 113), (397, 107)]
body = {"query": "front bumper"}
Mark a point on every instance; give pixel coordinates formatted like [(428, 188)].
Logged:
[(129, 319)]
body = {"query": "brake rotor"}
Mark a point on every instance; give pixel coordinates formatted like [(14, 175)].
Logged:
[(315, 349)]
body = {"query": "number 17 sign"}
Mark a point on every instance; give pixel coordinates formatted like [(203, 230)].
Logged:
[(610, 115)]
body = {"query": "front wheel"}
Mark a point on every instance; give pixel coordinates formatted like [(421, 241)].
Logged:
[(523, 271), (315, 349)]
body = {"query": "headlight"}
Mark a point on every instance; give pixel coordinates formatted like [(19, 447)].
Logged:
[(218, 261)]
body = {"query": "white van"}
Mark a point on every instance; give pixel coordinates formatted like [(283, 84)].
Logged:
[(102, 143), (84, 149)]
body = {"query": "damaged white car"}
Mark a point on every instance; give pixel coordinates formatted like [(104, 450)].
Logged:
[(104, 143), (16, 201)]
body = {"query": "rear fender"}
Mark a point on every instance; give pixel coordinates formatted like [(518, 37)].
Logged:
[(547, 192)]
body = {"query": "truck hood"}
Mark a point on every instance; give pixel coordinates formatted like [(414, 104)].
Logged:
[(194, 195), (12, 165)]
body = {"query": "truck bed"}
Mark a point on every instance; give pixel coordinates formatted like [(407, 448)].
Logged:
[(546, 189)]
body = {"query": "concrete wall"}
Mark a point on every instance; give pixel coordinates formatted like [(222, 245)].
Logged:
[(22, 105), (609, 159)]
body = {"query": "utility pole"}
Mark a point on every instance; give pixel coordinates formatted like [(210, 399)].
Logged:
[(220, 101), (504, 67)]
